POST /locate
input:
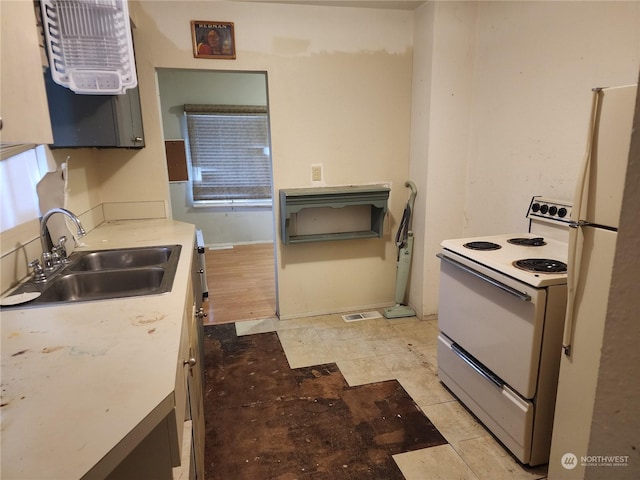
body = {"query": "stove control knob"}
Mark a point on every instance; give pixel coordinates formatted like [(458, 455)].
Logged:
[(535, 207), (544, 209), (562, 212), (553, 210)]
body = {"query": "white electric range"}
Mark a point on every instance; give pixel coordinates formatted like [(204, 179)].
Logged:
[(501, 317)]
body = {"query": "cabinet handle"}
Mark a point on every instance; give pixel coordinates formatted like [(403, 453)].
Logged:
[(191, 362), (201, 313), (137, 139)]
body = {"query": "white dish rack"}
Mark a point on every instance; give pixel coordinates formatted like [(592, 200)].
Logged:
[(89, 44)]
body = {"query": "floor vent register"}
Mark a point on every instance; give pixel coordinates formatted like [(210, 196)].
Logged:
[(355, 317)]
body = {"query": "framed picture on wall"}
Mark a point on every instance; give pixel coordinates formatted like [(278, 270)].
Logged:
[(213, 39)]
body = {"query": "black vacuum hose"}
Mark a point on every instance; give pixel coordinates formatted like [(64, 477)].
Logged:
[(403, 230)]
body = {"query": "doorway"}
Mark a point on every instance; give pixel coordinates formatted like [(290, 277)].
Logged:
[(239, 236)]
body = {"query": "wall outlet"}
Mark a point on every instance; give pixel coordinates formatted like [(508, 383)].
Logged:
[(316, 172)]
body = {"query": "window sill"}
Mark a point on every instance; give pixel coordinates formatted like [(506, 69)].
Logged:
[(234, 206)]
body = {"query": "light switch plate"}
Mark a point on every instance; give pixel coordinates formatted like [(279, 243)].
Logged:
[(316, 172)]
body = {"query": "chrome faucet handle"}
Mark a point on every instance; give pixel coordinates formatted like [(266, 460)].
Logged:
[(47, 260), (61, 249), (38, 272), (55, 256)]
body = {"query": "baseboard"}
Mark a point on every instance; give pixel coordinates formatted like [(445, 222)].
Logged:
[(227, 246), (335, 311)]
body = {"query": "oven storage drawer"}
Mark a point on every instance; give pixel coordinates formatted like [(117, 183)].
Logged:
[(507, 415), (497, 319)]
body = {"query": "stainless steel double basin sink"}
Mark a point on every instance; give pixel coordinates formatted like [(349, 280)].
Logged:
[(106, 274)]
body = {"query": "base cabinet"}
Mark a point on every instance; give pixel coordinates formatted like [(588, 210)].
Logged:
[(147, 459), (174, 449), (192, 465), (196, 399)]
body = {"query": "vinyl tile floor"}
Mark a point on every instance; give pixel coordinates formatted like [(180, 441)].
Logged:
[(379, 349)]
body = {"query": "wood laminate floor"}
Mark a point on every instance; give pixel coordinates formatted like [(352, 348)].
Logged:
[(241, 282)]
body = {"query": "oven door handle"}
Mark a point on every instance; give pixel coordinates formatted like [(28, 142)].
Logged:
[(481, 370), (512, 291)]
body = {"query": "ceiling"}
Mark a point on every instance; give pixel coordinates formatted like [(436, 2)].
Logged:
[(381, 4)]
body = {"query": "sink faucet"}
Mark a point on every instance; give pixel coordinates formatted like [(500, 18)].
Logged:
[(45, 219)]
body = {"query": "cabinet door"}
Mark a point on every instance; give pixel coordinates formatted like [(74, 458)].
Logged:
[(129, 119), (94, 120), (24, 112), (181, 392), (196, 400)]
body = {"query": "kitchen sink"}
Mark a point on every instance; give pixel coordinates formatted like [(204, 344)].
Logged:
[(122, 258), (104, 274), (74, 287)]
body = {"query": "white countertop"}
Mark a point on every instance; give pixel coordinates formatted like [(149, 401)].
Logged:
[(79, 378)]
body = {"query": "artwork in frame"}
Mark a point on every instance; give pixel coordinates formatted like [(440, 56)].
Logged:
[(213, 39)]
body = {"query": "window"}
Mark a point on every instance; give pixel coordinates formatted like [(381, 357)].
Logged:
[(228, 147), (19, 175)]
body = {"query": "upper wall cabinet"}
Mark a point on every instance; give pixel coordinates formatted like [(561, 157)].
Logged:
[(91, 81), (23, 108), (94, 120)]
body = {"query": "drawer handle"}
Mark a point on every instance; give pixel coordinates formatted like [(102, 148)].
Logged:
[(464, 356), (191, 362), (512, 291)]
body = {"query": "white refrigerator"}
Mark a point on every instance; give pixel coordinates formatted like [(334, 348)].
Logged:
[(592, 244)]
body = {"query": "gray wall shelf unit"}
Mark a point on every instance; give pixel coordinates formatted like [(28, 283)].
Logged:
[(301, 201)]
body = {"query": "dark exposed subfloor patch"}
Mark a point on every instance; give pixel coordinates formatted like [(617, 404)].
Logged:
[(266, 421)]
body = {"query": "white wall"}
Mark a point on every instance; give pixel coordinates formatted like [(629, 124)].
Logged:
[(509, 86), (419, 146), (536, 63), (443, 84)]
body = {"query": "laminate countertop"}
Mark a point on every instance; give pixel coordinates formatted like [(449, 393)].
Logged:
[(83, 383)]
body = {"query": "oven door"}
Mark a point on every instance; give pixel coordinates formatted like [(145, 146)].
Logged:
[(495, 318)]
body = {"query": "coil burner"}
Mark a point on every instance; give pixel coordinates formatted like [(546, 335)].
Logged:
[(482, 246), (541, 265), (528, 242)]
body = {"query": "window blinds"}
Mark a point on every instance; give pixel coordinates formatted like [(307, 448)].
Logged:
[(229, 151)]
